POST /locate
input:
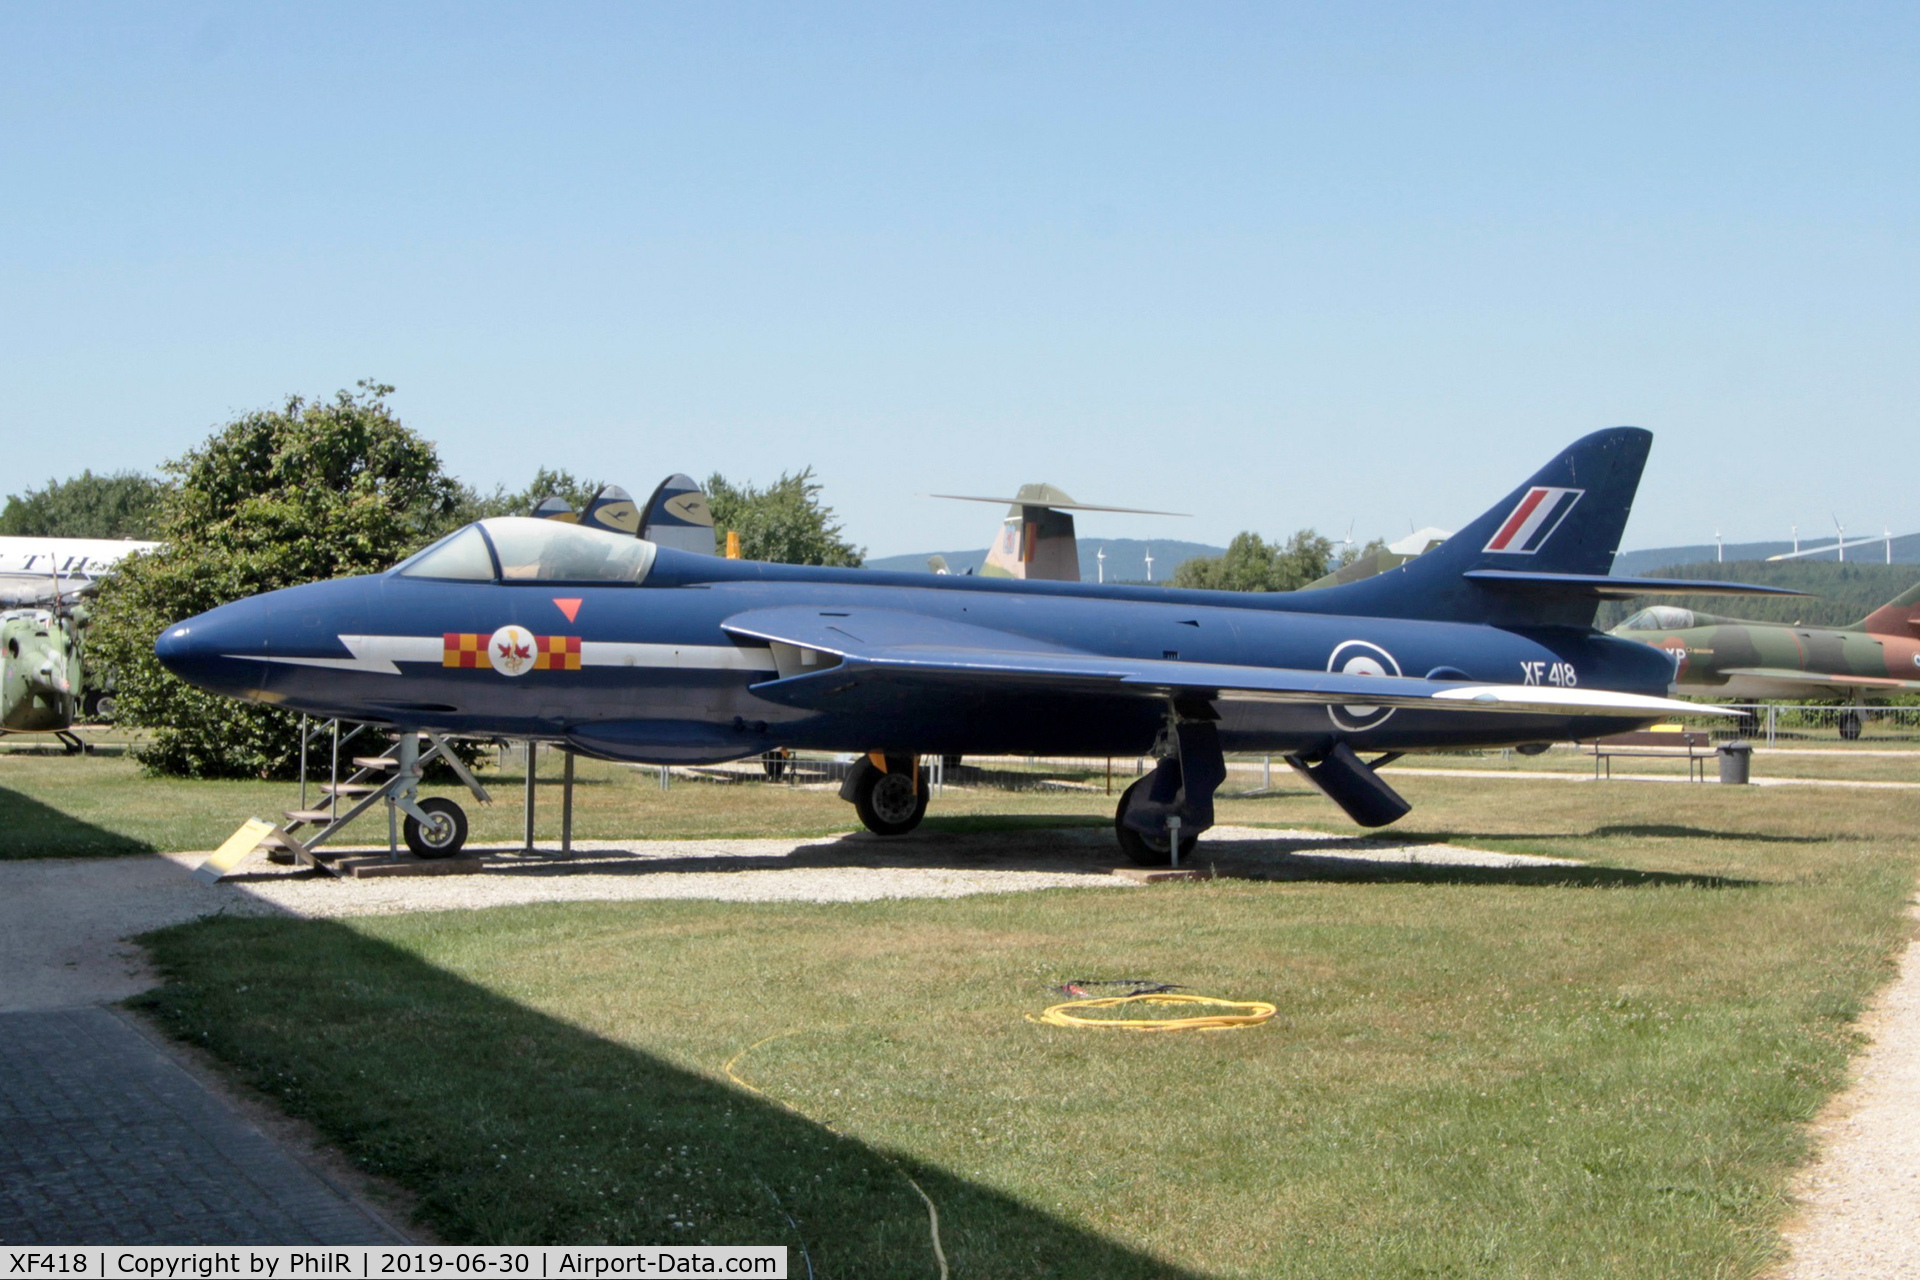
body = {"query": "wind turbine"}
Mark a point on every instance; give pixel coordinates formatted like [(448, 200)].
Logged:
[(1100, 560), (1149, 564), (1719, 552), (1841, 540)]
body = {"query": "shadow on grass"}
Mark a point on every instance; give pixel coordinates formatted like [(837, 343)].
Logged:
[(30, 829), (1364, 871), (1671, 831), (513, 1127)]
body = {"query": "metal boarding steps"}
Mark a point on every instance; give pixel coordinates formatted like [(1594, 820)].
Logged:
[(435, 828)]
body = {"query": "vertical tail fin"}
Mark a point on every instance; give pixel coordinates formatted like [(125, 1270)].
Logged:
[(612, 509), (1566, 519), (1899, 616), (677, 515)]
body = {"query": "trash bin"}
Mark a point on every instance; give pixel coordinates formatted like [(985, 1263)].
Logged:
[(1736, 761)]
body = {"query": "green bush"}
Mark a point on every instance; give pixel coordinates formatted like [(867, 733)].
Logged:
[(311, 490)]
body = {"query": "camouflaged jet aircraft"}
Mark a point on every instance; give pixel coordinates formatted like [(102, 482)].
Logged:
[(1738, 661), (614, 647)]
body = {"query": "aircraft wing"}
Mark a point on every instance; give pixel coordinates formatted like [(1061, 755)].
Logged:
[(1827, 679), (834, 659)]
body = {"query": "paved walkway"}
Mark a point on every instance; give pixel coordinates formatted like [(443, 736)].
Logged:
[(1861, 1198), (106, 1140)]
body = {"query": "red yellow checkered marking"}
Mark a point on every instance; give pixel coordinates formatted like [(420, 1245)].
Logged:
[(469, 649), (464, 649), (557, 653)]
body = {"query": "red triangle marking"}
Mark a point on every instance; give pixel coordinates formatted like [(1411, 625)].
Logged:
[(568, 607)]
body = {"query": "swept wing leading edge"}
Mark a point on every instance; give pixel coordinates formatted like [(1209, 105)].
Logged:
[(900, 650)]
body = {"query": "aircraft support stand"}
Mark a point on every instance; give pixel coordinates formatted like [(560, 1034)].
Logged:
[(566, 800), (532, 747), (566, 804)]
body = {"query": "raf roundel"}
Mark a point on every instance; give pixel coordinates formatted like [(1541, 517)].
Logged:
[(512, 650), (1361, 658)]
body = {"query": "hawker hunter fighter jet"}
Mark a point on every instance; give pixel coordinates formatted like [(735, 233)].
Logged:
[(614, 647)]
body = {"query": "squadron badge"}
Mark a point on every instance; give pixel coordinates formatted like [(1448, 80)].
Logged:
[(511, 650)]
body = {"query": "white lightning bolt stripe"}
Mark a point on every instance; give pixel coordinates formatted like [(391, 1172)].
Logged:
[(380, 655), (707, 657), (1575, 701)]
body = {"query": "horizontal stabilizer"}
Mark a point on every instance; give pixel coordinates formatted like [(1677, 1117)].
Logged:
[(1064, 505), (1606, 587)]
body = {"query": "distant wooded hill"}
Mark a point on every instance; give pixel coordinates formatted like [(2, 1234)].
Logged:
[(1126, 558), (1842, 593), (1636, 564)]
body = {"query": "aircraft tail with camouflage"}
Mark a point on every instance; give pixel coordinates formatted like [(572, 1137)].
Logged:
[(1036, 538)]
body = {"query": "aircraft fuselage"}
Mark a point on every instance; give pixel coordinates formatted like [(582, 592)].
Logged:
[(645, 672)]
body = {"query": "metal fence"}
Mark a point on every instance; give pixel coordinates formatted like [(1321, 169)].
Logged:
[(1790, 723)]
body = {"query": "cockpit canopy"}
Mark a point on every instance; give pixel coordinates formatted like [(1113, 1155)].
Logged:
[(519, 549), (1662, 617)]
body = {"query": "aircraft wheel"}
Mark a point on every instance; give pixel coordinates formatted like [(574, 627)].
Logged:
[(1850, 725), (1135, 846), (1747, 724), (440, 838), (889, 803), (774, 763)]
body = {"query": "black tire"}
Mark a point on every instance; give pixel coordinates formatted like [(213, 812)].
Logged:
[(891, 804), (1850, 725), (1136, 848), (774, 763), (447, 834), (1747, 724)]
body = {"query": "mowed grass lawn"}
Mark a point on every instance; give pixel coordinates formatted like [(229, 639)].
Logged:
[(1473, 1073), (61, 806), (77, 806)]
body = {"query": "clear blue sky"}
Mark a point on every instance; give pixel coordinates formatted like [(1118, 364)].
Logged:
[(1279, 266)]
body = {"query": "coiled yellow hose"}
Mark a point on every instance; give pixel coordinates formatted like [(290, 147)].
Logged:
[(1256, 1012)]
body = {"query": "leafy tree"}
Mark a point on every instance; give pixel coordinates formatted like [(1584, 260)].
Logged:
[(122, 505), (1253, 564), (311, 490), (785, 522), (473, 505), (1350, 554)]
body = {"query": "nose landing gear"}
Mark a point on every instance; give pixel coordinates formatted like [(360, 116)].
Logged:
[(442, 834)]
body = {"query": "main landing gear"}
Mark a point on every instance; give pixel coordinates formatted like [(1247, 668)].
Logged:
[(1179, 790), (888, 792)]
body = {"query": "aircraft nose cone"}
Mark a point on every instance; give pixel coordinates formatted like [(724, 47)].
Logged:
[(202, 651)]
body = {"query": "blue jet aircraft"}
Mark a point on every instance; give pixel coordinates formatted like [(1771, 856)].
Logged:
[(617, 648)]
